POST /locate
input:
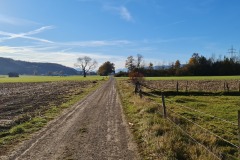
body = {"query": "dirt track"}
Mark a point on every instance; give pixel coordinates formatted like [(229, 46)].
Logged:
[(92, 129)]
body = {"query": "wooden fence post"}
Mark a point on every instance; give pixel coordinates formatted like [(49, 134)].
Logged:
[(224, 86), (140, 93), (177, 86), (187, 86), (164, 107), (227, 87), (239, 86), (239, 134)]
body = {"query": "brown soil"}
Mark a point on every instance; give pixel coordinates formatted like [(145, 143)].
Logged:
[(19, 102), (195, 85), (92, 129)]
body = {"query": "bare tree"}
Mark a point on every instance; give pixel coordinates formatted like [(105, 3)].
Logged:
[(139, 61), (130, 64), (86, 64)]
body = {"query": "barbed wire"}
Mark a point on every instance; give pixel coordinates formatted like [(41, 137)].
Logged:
[(205, 129), (193, 139)]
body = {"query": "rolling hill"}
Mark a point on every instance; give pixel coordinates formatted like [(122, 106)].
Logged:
[(33, 68)]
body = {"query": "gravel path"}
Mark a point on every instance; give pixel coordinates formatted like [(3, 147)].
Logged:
[(92, 129)]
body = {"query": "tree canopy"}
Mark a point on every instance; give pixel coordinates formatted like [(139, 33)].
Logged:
[(106, 68), (197, 65)]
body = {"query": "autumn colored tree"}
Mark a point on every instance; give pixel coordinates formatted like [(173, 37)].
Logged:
[(177, 64), (106, 69)]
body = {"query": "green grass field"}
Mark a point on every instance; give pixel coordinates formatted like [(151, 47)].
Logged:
[(158, 138), (6, 79), (218, 114), (190, 78)]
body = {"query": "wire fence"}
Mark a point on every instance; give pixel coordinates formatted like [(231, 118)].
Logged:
[(194, 140), (169, 110), (210, 122), (197, 85), (205, 114)]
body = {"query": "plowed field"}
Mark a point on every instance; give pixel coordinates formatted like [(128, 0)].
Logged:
[(20, 102)]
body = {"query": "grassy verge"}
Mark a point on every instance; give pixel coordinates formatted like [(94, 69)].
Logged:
[(23, 131), (5, 79), (159, 138)]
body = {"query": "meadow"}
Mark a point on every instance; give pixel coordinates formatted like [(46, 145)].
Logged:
[(6, 79), (199, 125)]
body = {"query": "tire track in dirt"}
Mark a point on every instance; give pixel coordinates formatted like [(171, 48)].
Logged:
[(92, 129)]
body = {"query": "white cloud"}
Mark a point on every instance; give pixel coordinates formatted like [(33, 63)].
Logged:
[(37, 54), (122, 11), (125, 14), (95, 43)]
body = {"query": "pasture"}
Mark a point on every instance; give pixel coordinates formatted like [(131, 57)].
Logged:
[(201, 120)]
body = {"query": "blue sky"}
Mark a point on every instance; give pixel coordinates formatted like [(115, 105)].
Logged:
[(163, 31)]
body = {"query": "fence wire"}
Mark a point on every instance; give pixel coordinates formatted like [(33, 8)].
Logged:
[(194, 140), (207, 114), (203, 113), (204, 129)]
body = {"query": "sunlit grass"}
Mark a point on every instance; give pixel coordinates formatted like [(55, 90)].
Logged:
[(157, 138), (5, 79)]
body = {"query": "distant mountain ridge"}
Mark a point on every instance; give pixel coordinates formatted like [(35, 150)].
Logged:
[(30, 68)]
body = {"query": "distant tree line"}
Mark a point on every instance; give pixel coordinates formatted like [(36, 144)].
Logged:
[(197, 65)]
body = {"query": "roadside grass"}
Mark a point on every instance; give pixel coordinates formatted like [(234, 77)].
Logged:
[(158, 138), (5, 79), (188, 78), (23, 131), (203, 111)]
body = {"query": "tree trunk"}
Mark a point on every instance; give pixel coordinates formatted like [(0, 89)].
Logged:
[(84, 73)]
